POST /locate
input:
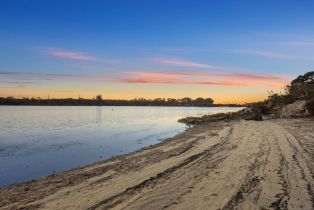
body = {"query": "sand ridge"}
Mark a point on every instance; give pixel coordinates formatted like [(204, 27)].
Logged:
[(222, 165)]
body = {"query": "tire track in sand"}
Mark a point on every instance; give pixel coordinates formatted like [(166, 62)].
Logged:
[(240, 165)]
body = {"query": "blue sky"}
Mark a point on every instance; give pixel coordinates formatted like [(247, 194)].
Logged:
[(192, 48)]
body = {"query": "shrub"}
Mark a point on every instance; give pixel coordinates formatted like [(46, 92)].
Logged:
[(260, 108), (310, 106)]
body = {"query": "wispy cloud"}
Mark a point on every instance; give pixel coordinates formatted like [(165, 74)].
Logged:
[(73, 55), (298, 43), (175, 50), (22, 77), (186, 63), (177, 62), (206, 74), (17, 82), (34, 77), (203, 78), (178, 81), (280, 35), (65, 54), (265, 54), (158, 77)]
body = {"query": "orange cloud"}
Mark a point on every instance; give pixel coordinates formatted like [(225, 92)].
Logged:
[(203, 78), (164, 77)]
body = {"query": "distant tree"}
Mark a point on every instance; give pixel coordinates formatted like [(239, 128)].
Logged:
[(186, 100), (99, 101), (199, 100), (99, 97), (209, 101), (172, 102), (203, 102)]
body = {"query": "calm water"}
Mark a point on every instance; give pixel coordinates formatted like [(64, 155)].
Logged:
[(37, 141)]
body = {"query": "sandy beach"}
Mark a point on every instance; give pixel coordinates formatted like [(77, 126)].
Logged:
[(223, 165)]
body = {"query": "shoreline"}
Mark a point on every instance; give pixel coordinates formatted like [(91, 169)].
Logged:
[(191, 169), (106, 131), (26, 186), (112, 158)]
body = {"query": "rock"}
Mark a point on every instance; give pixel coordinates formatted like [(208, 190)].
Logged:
[(296, 109)]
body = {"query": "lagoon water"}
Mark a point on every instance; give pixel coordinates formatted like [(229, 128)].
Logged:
[(39, 140)]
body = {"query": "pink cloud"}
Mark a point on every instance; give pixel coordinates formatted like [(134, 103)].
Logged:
[(71, 55), (179, 81), (248, 76), (164, 77), (144, 80), (181, 63), (185, 63), (210, 75), (220, 83), (203, 78)]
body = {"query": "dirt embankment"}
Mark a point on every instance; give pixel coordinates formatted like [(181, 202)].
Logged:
[(224, 165)]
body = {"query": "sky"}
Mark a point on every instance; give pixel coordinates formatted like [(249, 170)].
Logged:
[(232, 51)]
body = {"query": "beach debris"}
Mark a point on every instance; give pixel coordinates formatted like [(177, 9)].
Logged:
[(246, 114)]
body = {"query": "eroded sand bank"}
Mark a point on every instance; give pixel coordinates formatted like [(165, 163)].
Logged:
[(223, 165)]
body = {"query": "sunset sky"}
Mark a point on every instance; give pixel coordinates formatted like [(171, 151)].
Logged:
[(231, 51)]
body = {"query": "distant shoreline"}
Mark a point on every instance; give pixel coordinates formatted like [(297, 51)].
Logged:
[(98, 101), (218, 105)]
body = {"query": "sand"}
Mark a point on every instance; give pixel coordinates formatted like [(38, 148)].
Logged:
[(224, 165)]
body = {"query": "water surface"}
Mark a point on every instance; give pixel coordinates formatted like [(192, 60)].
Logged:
[(37, 141)]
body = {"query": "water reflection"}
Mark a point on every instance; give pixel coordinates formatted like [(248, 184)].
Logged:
[(35, 141), (98, 115)]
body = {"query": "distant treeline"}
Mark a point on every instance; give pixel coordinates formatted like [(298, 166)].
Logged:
[(98, 101)]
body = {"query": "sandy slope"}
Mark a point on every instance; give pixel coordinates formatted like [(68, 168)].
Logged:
[(225, 165)]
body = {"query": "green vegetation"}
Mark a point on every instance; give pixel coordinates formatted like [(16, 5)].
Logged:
[(301, 88), (310, 106), (99, 101)]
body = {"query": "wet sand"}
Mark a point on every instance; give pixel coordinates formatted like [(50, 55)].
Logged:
[(223, 165)]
